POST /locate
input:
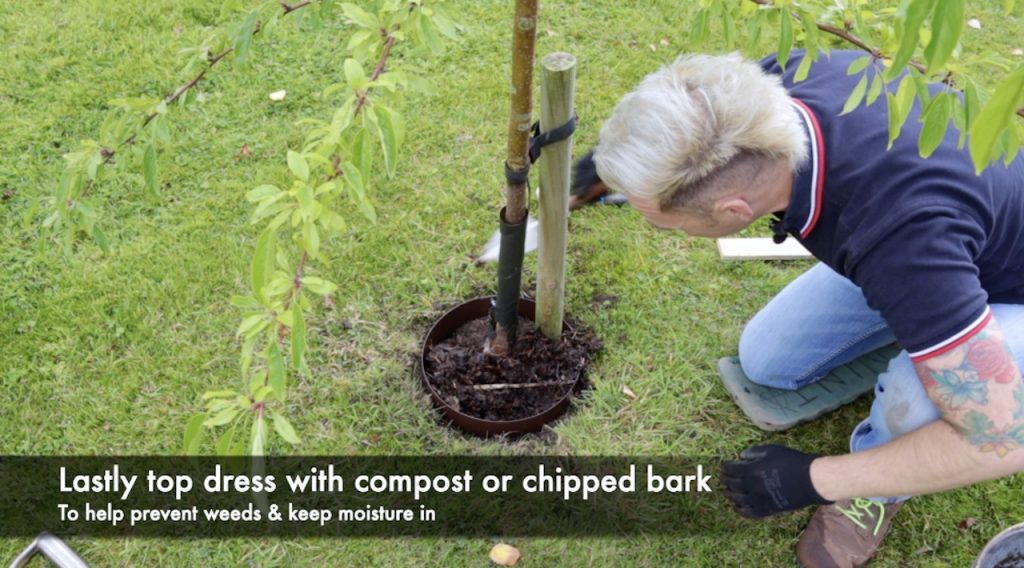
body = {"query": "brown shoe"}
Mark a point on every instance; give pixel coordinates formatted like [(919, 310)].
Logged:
[(845, 534)]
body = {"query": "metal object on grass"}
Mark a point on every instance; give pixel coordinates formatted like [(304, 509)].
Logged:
[(53, 549)]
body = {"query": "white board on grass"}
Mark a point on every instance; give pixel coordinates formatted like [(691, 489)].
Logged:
[(761, 249)]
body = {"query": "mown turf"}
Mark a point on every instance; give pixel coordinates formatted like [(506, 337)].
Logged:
[(109, 354)]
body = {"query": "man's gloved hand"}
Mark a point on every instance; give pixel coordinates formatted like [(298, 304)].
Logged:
[(587, 187), (771, 479)]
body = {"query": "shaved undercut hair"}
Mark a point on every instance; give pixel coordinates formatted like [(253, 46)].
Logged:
[(698, 124)]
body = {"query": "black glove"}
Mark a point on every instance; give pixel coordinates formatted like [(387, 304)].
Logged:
[(586, 185), (768, 480)]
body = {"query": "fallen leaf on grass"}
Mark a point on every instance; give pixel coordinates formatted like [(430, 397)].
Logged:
[(664, 41), (278, 95), (974, 23), (925, 549), (628, 392), (245, 151), (505, 555), (1018, 52), (966, 524)]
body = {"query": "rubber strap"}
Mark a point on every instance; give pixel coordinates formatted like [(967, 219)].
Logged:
[(539, 139)]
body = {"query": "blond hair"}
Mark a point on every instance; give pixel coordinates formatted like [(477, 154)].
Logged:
[(692, 118)]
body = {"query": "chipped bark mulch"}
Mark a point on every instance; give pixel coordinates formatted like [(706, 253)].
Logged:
[(539, 373)]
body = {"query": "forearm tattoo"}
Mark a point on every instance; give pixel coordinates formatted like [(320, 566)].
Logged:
[(978, 389)]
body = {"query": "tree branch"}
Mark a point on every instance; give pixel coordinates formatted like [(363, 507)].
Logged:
[(212, 60), (854, 40), (389, 41), (336, 163)]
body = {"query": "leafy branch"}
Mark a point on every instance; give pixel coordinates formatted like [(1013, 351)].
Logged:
[(138, 119), (340, 155), (985, 120)]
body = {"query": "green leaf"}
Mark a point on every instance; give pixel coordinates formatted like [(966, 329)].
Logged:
[(277, 377), (263, 262), (298, 337), (319, 285), (1008, 6), (909, 32), (244, 36), (429, 35), (900, 106), (193, 434), (262, 393), (360, 17), (856, 96), (149, 168), (972, 103), (362, 153), (947, 25), (804, 69), (877, 82), (444, 23), (297, 164), (257, 380), (261, 191), (354, 74), (226, 443), (244, 301), (355, 180), (389, 128), (251, 324), (311, 239), (258, 437), (810, 26), (360, 37), (995, 117), (222, 417), (219, 394), (101, 239), (728, 28), (858, 65), (785, 37), (699, 27), (936, 120), (754, 27), (285, 429), (306, 201)]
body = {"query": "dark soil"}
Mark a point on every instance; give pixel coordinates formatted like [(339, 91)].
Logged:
[(458, 366), (1013, 561)]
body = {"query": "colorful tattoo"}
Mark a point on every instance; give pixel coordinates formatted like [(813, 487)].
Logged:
[(981, 432), (957, 388), (990, 358), (978, 388), (1018, 395)]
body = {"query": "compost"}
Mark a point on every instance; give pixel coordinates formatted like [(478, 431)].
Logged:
[(536, 376)]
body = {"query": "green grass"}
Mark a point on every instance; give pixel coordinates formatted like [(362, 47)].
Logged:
[(109, 354)]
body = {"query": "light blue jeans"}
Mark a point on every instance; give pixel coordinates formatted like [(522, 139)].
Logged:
[(820, 321)]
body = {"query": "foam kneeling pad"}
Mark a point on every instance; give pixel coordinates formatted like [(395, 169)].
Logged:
[(777, 409)]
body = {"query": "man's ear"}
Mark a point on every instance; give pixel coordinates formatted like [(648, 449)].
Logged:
[(735, 207)]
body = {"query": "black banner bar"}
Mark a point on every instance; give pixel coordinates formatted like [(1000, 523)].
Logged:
[(359, 496)]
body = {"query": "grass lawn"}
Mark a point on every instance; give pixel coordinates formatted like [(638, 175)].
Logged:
[(109, 354)]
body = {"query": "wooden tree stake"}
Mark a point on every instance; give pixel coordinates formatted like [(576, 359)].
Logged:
[(558, 86)]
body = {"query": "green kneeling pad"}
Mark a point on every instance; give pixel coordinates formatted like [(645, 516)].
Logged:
[(777, 409)]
